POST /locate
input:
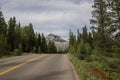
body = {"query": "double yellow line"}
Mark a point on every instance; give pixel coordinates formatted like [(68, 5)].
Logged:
[(17, 66)]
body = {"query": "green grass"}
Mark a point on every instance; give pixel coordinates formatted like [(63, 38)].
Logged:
[(81, 67), (9, 56), (96, 70), (4, 57)]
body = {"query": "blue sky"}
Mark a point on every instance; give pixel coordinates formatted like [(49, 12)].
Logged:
[(50, 16)]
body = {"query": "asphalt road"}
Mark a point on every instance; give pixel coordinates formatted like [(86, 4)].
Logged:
[(37, 67)]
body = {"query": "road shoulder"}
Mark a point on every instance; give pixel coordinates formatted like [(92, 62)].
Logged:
[(74, 70)]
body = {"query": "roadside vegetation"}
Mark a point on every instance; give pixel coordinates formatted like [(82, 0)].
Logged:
[(16, 39), (96, 54)]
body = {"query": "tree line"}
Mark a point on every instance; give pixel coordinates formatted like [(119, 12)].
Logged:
[(102, 43), (16, 39)]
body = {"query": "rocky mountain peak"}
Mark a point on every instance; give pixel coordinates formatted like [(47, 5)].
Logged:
[(53, 37), (60, 43)]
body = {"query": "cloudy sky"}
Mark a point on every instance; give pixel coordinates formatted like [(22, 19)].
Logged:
[(49, 16)]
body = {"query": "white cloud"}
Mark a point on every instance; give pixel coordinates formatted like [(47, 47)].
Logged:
[(50, 16)]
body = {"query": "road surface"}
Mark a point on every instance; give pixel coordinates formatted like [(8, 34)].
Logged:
[(37, 67)]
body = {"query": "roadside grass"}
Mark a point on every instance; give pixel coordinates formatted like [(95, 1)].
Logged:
[(81, 67), (106, 69), (9, 56)]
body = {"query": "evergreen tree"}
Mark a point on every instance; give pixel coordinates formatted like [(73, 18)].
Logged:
[(51, 47), (72, 43), (101, 23), (39, 40), (31, 36), (88, 50), (11, 33), (81, 51), (85, 34), (114, 30), (28, 38), (3, 34), (3, 46), (72, 38), (17, 35), (114, 6), (20, 50), (25, 39), (90, 40), (38, 43), (44, 48), (79, 36), (3, 25)]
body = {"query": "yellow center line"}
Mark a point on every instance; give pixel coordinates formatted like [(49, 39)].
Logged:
[(17, 66)]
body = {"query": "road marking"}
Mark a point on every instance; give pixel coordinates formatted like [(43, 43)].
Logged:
[(17, 66)]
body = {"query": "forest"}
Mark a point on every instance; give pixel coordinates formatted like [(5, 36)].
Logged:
[(16, 39), (96, 54)]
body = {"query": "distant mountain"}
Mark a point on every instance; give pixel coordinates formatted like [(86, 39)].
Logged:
[(60, 43), (52, 37)]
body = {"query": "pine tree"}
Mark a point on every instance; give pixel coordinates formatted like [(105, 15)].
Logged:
[(38, 43), (81, 51), (88, 50), (114, 30), (85, 34), (114, 6), (11, 33), (31, 35), (3, 34), (101, 23), (72, 39), (17, 35), (3, 25), (25, 39), (39, 40), (51, 47), (90, 40), (28, 38), (3, 46), (72, 43), (44, 48), (79, 36)]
